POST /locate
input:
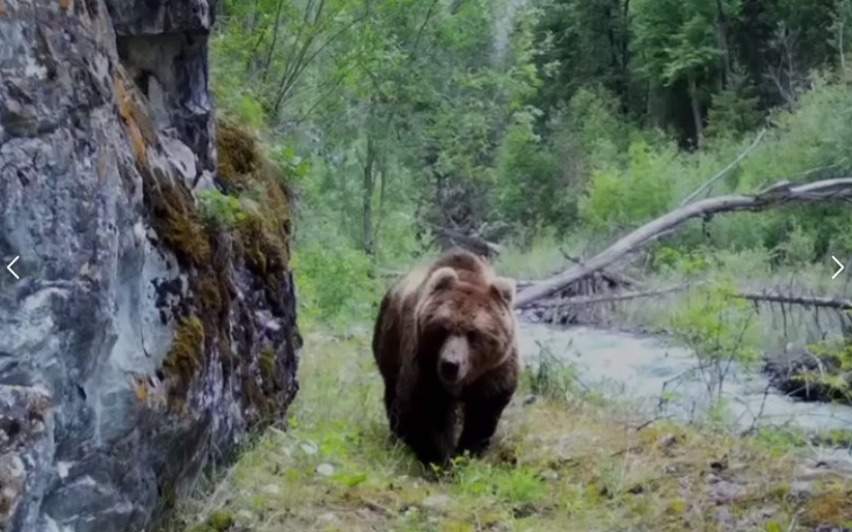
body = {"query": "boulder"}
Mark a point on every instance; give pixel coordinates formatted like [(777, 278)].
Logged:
[(141, 342)]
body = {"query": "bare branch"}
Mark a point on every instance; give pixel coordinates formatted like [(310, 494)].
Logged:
[(818, 302), (709, 183)]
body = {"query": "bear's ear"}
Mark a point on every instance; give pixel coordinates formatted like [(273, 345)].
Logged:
[(441, 279), (504, 288)]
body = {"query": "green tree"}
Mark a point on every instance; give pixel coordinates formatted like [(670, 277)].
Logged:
[(679, 43)]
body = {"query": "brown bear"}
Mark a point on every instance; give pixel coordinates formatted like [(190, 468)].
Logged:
[(445, 344)]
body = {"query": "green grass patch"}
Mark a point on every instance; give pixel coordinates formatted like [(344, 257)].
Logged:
[(557, 460)]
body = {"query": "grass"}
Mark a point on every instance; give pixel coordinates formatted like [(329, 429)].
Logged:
[(559, 462)]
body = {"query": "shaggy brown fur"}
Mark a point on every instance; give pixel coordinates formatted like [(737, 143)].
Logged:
[(445, 344)]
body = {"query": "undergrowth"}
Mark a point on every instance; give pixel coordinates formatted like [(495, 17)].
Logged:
[(559, 462)]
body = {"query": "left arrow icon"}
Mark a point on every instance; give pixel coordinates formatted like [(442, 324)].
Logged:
[(9, 267)]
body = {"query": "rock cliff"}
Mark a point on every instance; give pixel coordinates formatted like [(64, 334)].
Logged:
[(142, 340)]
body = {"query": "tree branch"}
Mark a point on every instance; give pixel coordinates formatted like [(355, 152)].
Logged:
[(709, 183)]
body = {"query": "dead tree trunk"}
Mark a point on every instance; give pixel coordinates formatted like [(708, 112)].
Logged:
[(774, 196), (757, 297)]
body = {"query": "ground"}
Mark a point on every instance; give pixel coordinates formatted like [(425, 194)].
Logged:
[(562, 460)]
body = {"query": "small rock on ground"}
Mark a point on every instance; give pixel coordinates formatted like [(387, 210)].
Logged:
[(325, 470), (436, 502)]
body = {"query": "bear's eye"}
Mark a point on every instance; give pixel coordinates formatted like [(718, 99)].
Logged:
[(473, 337)]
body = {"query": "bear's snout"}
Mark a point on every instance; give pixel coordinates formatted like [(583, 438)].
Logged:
[(453, 360), (449, 370)]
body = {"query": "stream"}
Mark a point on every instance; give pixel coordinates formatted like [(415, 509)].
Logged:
[(648, 368)]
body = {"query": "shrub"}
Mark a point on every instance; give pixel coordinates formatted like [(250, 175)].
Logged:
[(721, 331), (221, 210), (336, 282), (626, 197)]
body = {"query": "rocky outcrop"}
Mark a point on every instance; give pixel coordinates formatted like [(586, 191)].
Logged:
[(142, 340)]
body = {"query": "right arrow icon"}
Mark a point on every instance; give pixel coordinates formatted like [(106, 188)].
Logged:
[(840, 265)]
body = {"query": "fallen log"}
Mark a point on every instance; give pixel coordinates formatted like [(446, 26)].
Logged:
[(774, 196), (591, 300), (615, 278), (822, 302), (759, 297), (452, 238)]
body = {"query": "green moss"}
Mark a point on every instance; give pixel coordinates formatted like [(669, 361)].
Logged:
[(178, 224), (211, 293), (264, 231), (186, 354), (265, 251), (238, 157), (832, 507), (268, 365), (221, 521)]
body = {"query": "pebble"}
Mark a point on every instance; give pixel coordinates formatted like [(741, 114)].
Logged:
[(436, 502), (325, 470), (271, 489), (549, 474), (327, 518), (309, 448), (801, 489), (724, 492)]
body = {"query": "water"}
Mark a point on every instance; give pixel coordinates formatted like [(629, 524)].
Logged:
[(646, 369)]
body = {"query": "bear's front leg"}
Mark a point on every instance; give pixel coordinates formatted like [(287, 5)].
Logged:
[(484, 403), (426, 423)]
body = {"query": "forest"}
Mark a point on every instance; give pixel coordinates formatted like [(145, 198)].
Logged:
[(540, 133), (535, 125)]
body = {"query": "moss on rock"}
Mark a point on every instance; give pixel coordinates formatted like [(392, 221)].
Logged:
[(186, 355), (208, 255), (264, 234), (178, 224)]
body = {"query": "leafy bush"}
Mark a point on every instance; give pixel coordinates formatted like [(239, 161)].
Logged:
[(642, 190), (221, 210), (336, 282), (552, 377), (721, 331)]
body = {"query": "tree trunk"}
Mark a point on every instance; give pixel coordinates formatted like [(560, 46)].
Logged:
[(270, 52), (696, 112), (367, 200), (722, 36)]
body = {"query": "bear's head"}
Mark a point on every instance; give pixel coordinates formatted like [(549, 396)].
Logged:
[(465, 324)]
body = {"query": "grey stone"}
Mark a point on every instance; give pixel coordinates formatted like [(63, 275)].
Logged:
[(104, 106), (437, 502), (325, 470)]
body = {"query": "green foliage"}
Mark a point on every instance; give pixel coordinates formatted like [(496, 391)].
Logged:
[(401, 116), (551, 377), (336, 281), (537, 257), (516, 485), (834, 374), (734, 110), (618, 198), (221, 210), (720, 329)]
